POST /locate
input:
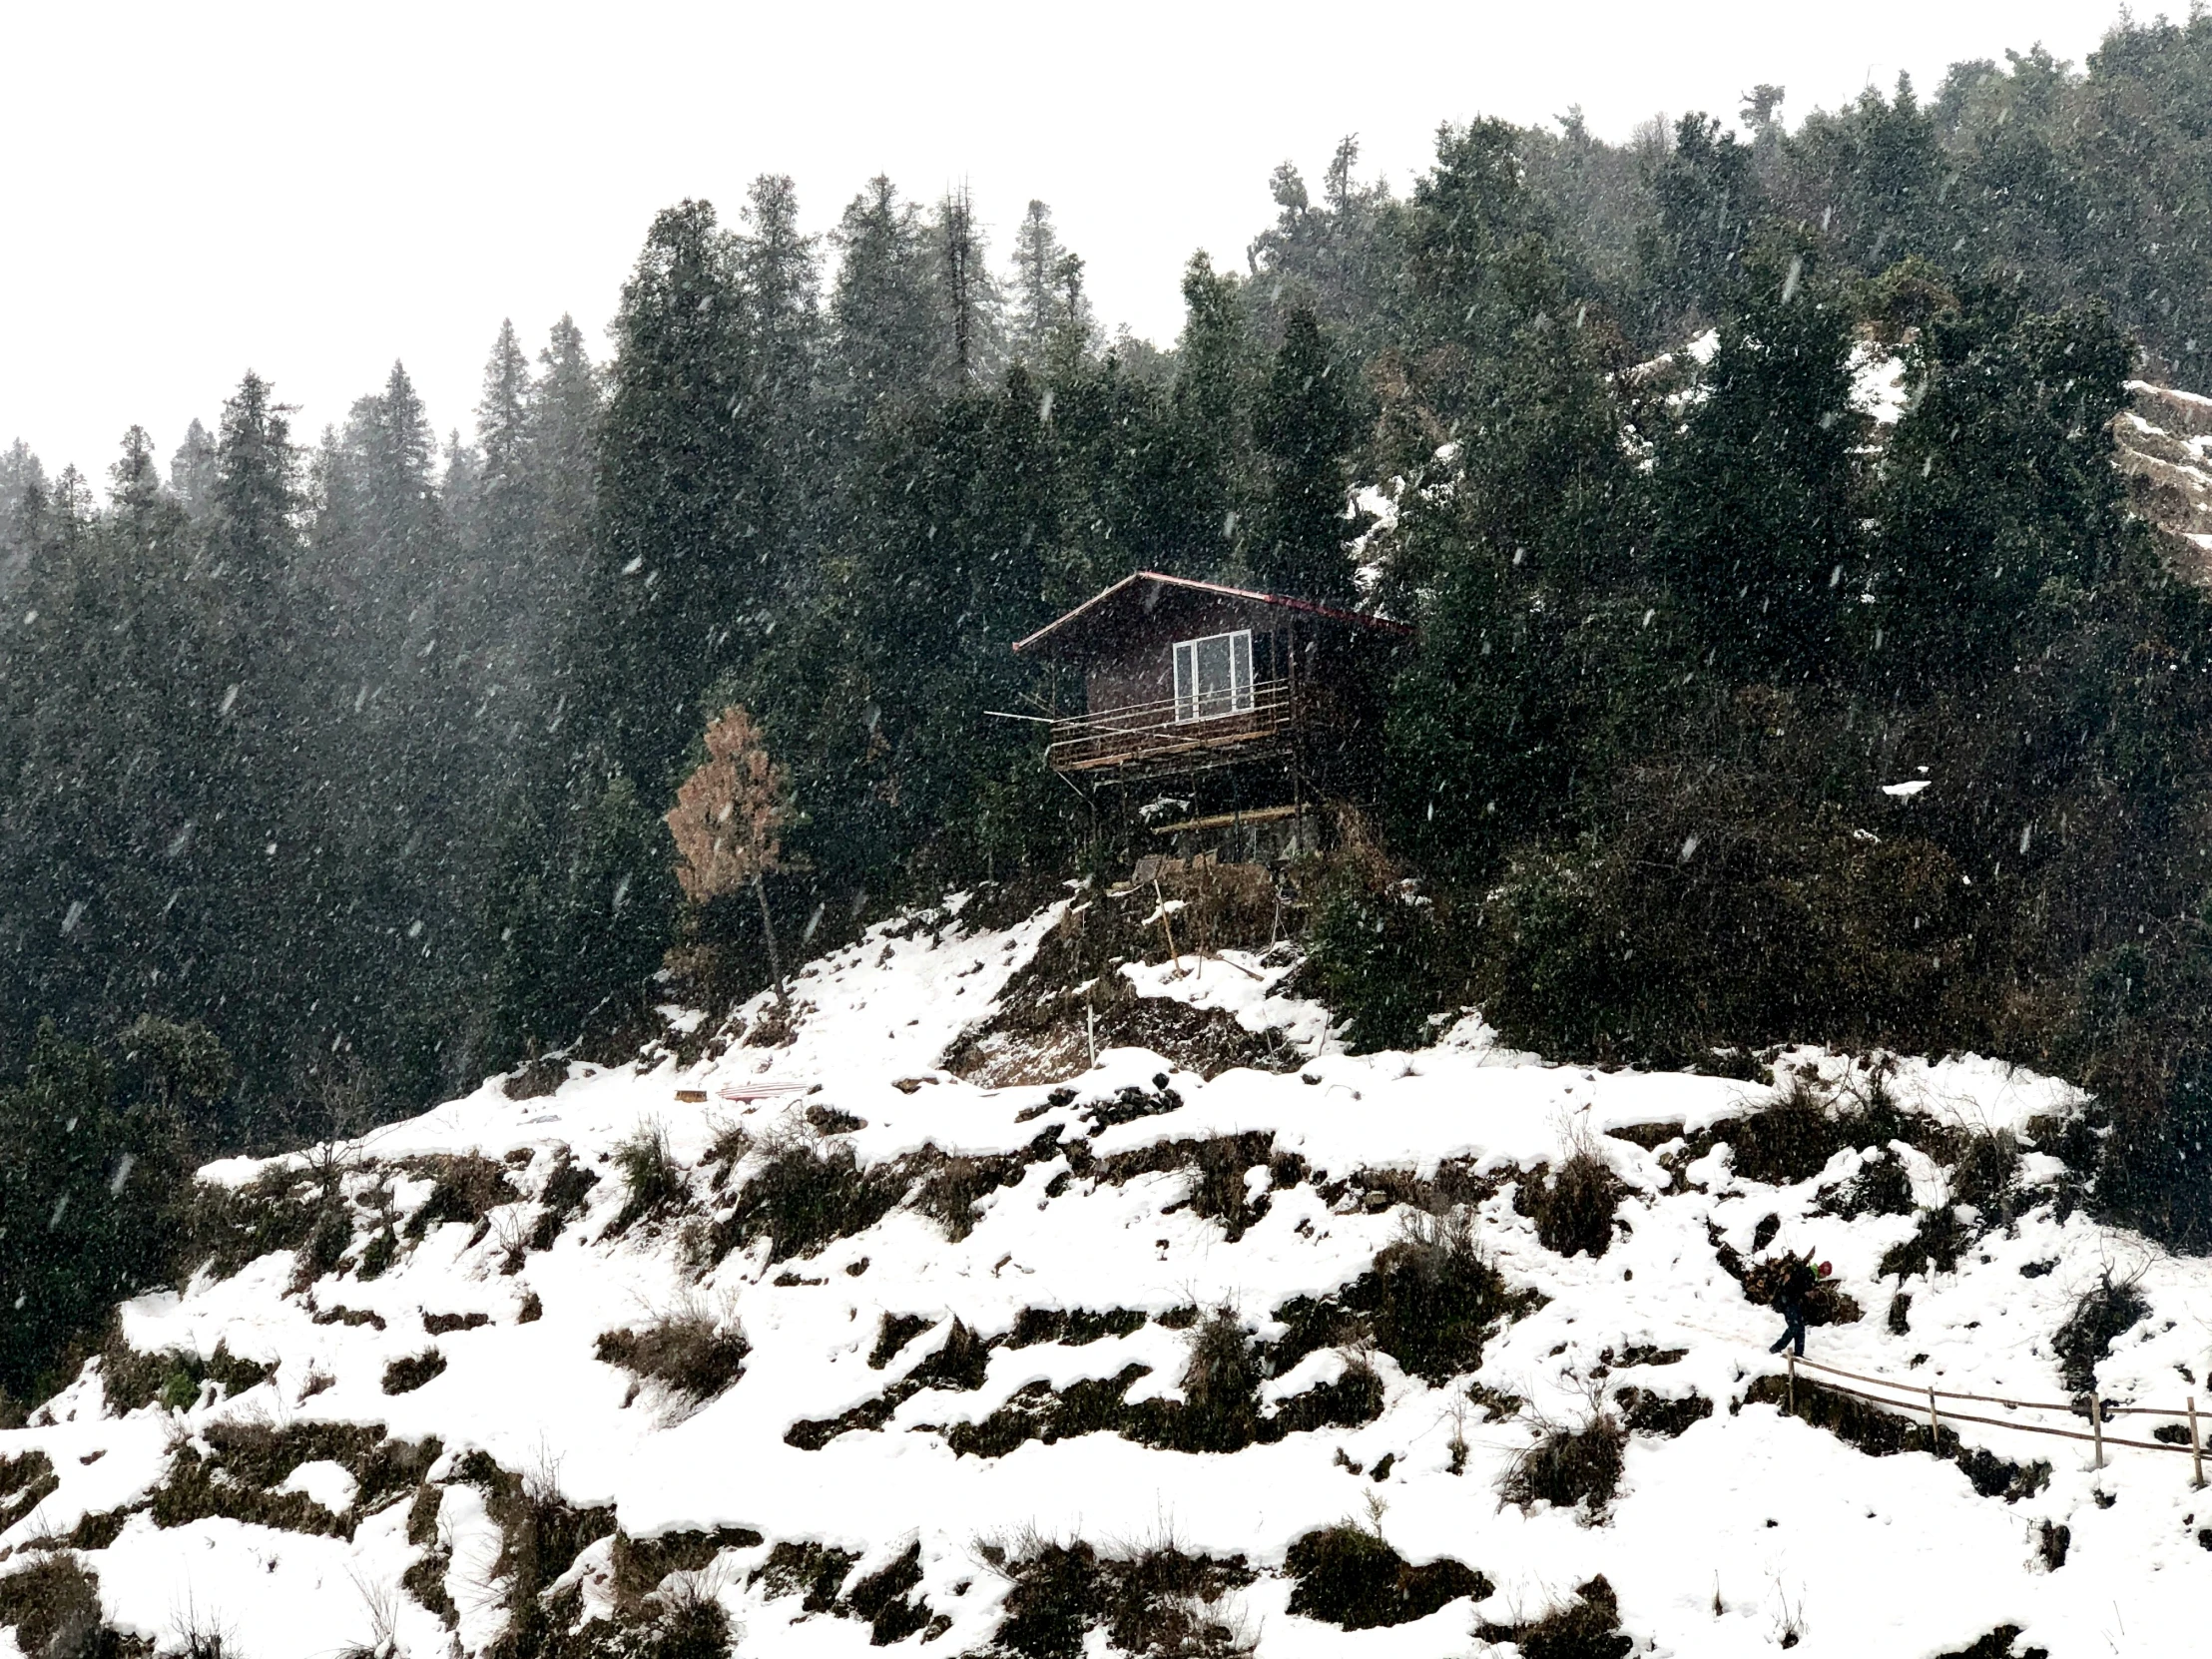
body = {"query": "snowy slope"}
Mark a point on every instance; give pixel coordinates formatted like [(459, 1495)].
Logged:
[(1721, 1540)]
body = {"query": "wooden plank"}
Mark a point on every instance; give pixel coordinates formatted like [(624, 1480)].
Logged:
[(1230, 821)]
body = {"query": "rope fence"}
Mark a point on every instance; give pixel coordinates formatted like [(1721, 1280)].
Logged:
[(2097, 1411)]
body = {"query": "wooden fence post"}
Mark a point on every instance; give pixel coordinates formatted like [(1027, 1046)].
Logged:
[(2096, 1426), (1791, 1359), (1935, 1426), (2196, 1446)]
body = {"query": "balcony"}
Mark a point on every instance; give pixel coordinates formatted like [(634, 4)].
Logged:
[(1147, 738)]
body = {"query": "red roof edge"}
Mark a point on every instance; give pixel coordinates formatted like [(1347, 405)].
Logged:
[(1329, 613)]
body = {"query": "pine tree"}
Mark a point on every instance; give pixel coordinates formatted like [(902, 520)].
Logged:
[(887, 341), (1040, 296), (1758, 498), (1215, 375), (505, 486), (191, 470), (86, 1203), (1998, 494), (1303, 427), (680, 510), (1709, 206), (970, 299)]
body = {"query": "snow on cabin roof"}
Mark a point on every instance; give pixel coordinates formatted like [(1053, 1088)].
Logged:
[(1092, 605)]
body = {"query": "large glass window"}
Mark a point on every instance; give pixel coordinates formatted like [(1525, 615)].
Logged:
[(1213, 676)]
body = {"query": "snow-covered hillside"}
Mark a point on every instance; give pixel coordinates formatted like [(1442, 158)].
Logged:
[(876, 1351)]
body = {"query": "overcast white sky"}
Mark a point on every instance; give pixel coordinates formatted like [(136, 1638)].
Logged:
[(313, 190)]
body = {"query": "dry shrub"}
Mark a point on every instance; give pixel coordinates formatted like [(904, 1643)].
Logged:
[(950, 1191), (561, 1197), (1587, 1627), (1983, 1173), (1573, 1206), (226, 1227), (1935, 1246), (465, 1187), (172, 1377), (2105, 1310), (1432, 1296), (1645, 1412), (802, 1198), (54, 1608), (688, 1350), (1348, 1576), (641, 1565), (1156, 1600), (686, 1622), (1568, 1467), (1221, 1388), (653, 1178), (1218, 1191), (1791, 1140), (1883, 1187)]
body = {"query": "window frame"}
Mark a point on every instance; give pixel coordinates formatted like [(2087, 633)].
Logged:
[(1193, 701)]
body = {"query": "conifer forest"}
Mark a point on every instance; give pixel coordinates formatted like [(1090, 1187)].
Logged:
[(337, 767)]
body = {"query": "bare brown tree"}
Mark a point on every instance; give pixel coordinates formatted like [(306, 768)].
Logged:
[(729, 815)]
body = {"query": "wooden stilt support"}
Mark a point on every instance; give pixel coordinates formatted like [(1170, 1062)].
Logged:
[(768, 932), (1161, 898), (2096, 1426), (2196, 1443)]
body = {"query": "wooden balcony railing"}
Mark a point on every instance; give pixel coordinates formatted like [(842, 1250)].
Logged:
[(1148, 734)]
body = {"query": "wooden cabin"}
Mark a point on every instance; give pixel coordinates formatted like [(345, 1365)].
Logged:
[(1180, 677)]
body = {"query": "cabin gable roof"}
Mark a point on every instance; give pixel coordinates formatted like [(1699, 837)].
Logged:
[(1135, 596)]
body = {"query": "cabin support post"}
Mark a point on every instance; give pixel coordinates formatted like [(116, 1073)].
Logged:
[(768, 932)]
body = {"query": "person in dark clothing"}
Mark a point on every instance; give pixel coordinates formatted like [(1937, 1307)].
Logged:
[(1797, 1279)]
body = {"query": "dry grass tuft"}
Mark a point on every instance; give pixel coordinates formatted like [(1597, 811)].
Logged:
[(690, 1349), (1570, 1468)]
